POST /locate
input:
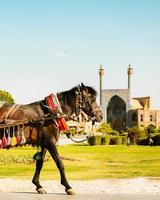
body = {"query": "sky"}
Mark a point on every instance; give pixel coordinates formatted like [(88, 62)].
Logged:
[(53, 45)]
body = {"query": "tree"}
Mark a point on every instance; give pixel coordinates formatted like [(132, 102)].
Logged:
[(151, 129), (135, 133), (6, 96), (105, 128)]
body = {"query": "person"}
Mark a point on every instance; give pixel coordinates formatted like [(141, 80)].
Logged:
[(128, 141), (150, 141)]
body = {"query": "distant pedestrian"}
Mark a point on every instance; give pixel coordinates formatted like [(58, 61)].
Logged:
[(128, 141), (150, 141)]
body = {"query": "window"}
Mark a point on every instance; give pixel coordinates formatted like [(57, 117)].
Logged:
[(141, 118), (134, 117), (151, 118)]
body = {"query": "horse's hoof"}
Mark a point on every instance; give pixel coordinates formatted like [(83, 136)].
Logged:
[(70, 191), (41, 191)]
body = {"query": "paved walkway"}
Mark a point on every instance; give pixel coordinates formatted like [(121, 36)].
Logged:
[(115, 189), (105, 187)]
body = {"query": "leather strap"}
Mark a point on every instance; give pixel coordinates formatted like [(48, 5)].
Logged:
[(11, 111), (2, 103)]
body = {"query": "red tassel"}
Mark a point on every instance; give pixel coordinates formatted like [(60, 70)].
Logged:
[(0, 144), (18, 139), (4, 142)]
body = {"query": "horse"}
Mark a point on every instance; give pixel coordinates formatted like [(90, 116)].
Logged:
[(80, 98)]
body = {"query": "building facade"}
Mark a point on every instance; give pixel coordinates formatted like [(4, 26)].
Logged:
[(122, 111)]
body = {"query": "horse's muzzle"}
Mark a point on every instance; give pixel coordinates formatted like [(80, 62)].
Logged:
[(97, 116)]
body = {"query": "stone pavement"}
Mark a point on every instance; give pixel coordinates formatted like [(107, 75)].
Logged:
[(109, 189)]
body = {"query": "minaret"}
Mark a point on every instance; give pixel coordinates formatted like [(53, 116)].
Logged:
[(130, 72), (101, 73)]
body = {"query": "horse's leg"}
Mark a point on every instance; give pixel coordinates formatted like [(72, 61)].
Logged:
[(39, 165), (55, 155)]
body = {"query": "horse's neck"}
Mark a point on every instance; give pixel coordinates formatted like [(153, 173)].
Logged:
[(66, 102)]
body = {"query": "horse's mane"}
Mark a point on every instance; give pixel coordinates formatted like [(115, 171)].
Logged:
[(91, 90)]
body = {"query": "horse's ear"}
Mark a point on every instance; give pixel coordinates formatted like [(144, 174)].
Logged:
[(82, 85), (79, 89)]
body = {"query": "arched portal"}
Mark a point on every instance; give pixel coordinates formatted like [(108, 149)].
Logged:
[(116, 113)]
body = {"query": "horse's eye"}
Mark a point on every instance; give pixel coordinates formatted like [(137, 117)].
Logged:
[(93, 98)]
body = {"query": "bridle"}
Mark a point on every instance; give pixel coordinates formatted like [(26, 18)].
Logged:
[(79, 102), (82, 98)]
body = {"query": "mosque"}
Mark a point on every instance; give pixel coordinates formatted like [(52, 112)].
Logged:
[(122, 111)]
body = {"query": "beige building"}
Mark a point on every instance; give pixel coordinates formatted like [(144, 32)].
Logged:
[(121, 111), (141, 113)]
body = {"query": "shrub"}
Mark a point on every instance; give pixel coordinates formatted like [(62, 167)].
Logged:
[(142, 133), (123, 134), (153, 134), (94, 140), (151, 129), (105, 140), (156, 140), (115, 140), (124, 140), (143, 141), (136, 133), (115, 133), (98, 139), (105, 128)]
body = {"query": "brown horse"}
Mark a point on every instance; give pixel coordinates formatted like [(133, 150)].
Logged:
[(72, 102)]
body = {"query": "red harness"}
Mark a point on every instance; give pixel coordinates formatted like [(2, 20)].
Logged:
[(53, 103)]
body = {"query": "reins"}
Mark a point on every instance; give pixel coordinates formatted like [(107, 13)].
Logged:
[(77, 141)]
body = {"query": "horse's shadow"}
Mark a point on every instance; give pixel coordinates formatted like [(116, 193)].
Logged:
[(35, 193)]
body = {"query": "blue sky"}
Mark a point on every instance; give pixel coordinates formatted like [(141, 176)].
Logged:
[(52, 45)]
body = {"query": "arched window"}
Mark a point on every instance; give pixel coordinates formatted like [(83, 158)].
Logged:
[(151, 118)]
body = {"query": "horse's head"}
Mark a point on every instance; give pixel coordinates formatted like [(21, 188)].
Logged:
[(87, 98)]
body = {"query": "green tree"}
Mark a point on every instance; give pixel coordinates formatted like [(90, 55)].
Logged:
[(151, 129), (6, 96), (105, 128), (135, 133)]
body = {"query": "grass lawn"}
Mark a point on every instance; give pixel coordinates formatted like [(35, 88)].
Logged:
[(85, 162)]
